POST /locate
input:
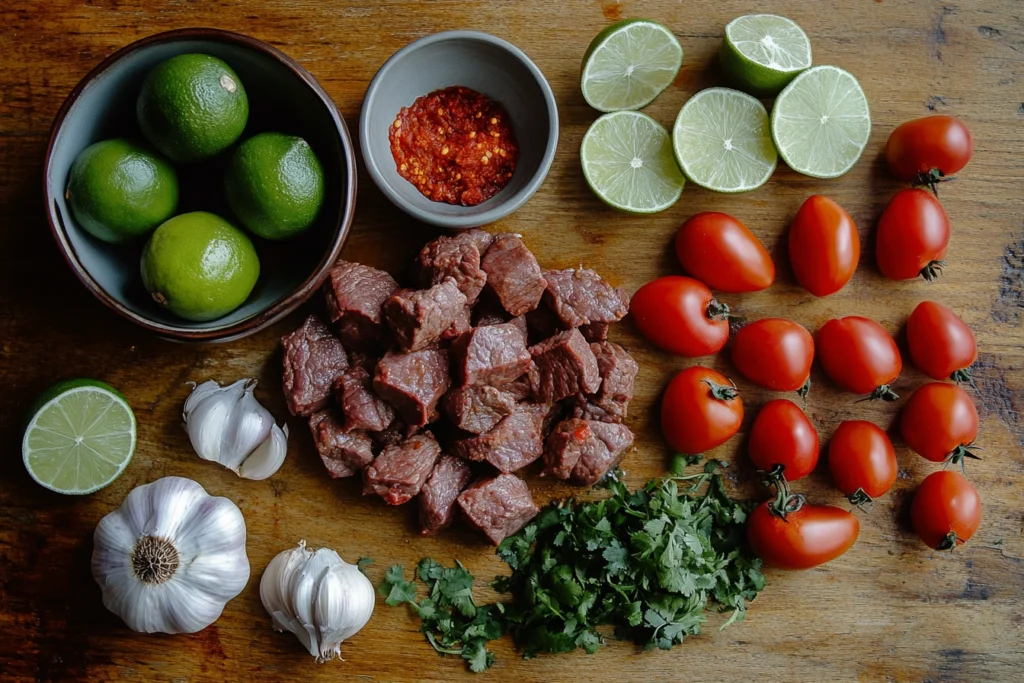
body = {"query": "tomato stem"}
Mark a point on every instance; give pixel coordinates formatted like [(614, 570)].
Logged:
[(932, 270), (721, 391), (716, 310), (861, 499), (785, 502), (884, 392), (964, 376), (773, 476), (961, 453), (931, 179), (949, 542), (804, 389)]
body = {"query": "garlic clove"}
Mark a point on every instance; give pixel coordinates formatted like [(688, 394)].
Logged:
[(274, 586), (268, 456), (199, 393), (249, 426), (207, 420), (344, 604)]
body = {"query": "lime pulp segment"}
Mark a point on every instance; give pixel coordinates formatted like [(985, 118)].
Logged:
[(722, 141), (627, 161), (629, 64), (80, 440), (771, 41), (821, 122)]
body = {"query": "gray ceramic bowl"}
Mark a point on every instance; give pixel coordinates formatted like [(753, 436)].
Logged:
[(282, 97), (483, 63)]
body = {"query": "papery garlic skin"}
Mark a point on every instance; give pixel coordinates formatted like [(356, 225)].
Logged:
[(317, 596), (228, 425), (171, 557)]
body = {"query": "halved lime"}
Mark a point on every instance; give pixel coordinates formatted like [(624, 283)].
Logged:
[(80, 438), (722, 141), (821, 122), (627, 161), (761, 53), (628, 64)]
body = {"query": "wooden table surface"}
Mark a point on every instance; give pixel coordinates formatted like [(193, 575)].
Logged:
[(889, 610)]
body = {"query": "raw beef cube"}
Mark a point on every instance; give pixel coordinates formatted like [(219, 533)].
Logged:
[(594, 462), (564, 446), (618, 375), (499, 506), (451, 257), (413, 383), (355, 294), (395, 433), (565, 366), (478, 238), (513, 274), (400, 471), (344, 453), (313, 358), (478, 409), (595, 332), (579, 297), (419, 318), (513, 444), (437, 499), (520, 389), (362, 407), (493, 354)]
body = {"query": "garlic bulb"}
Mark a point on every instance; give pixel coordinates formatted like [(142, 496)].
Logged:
[(317, 596), (171, 557), (228, 425)]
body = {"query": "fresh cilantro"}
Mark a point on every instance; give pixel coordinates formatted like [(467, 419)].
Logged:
[(363, 563), (396, 588)]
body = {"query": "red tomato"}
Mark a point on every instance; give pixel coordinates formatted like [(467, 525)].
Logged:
[(912, 236), (859, 356), (722, 253), (923, 150), (823, 246), (946, 510), (701, 409), (808, 535), (862, 461), (939, 422), (679, 314), (782, 436), (941, 345), (774, 353)]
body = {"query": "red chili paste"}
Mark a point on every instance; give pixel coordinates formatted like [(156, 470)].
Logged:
[(455, 145)]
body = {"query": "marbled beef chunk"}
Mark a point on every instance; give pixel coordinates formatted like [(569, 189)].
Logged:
[(419, 318), (343, 453), (400, 471), (457, 258), (516, 442), (437, 499), (493, 354), (513, 274), (618, 376), (499, 506), (564, 445), (480, 239), (355, 294), (478, 409), (362, 407), (413, 383), (565, 366), (313, 358), (585, 450), (580, 298)]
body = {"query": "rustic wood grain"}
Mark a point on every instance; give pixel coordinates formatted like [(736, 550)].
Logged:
[(889, 610)]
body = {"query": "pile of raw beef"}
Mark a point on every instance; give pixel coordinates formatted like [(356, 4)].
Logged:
[(443, 392)]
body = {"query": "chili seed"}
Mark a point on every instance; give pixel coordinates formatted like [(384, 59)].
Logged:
[(398, 124), (472, 134), (483, 160), (444, 150), (493, 121)]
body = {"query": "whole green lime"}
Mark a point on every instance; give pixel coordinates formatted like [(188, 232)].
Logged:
[(119, 191), (199, 266), (275, 185), (192, 107)]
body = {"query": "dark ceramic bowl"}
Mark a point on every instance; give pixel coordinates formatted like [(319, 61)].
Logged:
[(283, 97), (483, 63)]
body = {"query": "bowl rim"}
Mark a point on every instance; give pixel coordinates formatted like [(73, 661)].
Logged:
[(513, 202), (277, 309)]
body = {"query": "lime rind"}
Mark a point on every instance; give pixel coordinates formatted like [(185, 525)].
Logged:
[(629, 64), (628, 162), (821, 122), (722, 141), (80, 440)]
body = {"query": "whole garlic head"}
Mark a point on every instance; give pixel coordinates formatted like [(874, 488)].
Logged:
[(317, 596), (171, 557)]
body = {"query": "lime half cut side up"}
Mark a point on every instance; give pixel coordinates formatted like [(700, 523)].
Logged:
[(761, 53), (80, 437), (821, 122), (627, 161), (628, 64), (722, 141)]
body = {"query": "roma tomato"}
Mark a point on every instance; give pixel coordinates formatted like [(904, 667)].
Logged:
[(946, 510), (859, 356), (775, 354), (722, 253), (823, 246), (912, 236), (807, 536), (782, 438), (940, 422), (679, 314), (941, 345), (701, 409), (862, 461), (924, 150)]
